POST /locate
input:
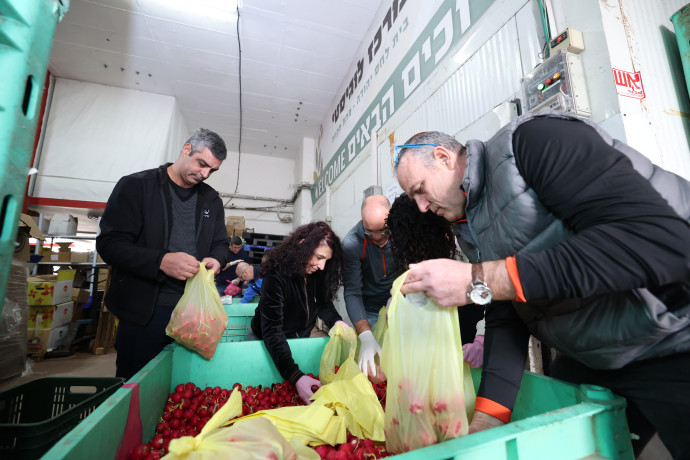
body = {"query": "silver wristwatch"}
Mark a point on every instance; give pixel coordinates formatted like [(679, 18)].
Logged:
[(479, 292)]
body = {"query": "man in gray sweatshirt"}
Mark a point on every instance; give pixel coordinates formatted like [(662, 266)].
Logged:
[(369, 272)]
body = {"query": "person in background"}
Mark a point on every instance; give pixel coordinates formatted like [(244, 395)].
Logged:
[(369, 272), (417, 236), (301, 277), (157, 225), (236, 254), (249, 274), (575, 238)]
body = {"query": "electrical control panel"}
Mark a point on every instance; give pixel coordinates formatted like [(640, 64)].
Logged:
[(569, 40), (558, 83)]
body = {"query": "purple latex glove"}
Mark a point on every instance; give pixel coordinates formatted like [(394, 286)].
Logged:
[(474, 352), (304, 385)]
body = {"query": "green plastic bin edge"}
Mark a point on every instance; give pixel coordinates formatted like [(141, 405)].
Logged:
[(553, 419)]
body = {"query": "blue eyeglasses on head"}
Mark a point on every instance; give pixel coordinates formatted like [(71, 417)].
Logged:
[(408, 146)]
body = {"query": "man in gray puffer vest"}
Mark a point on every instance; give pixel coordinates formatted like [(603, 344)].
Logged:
[(577, 239)]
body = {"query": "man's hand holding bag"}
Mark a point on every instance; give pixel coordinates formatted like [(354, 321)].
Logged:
[(199, 319)]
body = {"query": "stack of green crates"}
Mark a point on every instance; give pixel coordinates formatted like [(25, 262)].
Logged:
[(26, 35), (239, 318), (551, 420)]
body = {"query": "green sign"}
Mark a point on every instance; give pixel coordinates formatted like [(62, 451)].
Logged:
[(441, 34)]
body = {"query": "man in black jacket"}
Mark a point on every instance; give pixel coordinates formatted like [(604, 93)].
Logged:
[(157, 225)]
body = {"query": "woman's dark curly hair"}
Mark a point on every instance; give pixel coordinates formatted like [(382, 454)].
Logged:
[(291, 256), (417, 236)]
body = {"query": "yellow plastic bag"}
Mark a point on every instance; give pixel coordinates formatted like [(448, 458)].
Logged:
[(430, 394), (339, 351), (381, 326), (346, 404), (199, 319), (252, 439)]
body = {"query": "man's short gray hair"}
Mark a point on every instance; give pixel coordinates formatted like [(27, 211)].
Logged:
[(426, 153), (202, 138)]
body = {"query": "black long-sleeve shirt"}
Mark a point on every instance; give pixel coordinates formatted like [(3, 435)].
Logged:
[(288, 308), (626, 236)]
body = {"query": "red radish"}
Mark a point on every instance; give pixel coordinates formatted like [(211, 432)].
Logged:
[(342, 455), (140, 452), (322, 450), (157, 441)]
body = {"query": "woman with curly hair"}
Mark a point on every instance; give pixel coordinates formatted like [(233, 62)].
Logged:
[(417, 236), (300, 279)]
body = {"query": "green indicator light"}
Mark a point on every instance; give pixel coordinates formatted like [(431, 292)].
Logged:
[(540, 86)]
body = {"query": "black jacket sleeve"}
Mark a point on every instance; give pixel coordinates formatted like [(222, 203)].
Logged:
[(120, 227), (505, 354), (271, 312), (626, 234)]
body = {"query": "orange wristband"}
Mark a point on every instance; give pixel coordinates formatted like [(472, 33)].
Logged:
[(511, 265), (493, 409)]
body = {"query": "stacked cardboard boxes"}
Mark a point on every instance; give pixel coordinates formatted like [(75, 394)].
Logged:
[(50, 308), (234, 225)]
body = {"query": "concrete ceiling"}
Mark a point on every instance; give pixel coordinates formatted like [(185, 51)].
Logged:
[(295, 54)]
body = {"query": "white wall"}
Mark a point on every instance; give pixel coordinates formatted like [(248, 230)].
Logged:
[(304, 173), (261, 177), (482, 71), (96, 134)]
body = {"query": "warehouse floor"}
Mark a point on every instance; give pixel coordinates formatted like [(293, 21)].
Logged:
[(83, 364), (80, 364)]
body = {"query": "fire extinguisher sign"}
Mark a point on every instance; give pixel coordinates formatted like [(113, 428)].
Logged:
[(628, 84)]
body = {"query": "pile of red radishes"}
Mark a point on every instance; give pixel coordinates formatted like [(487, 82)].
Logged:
[(189, 408)]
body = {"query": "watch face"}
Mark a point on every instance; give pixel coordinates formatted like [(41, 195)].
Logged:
[(480, 294)]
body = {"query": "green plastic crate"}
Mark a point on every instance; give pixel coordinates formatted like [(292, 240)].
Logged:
[(26, 35), (551, 420), (36, 414), (239, 319)]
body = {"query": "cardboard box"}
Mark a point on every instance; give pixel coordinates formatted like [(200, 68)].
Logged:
[(27, 229), (80, 295), (234, 225), (50, 289), (102, 277), (49, 317), (235, 221), (60, 256), (62, 224), (80, 257), (49, 338)]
